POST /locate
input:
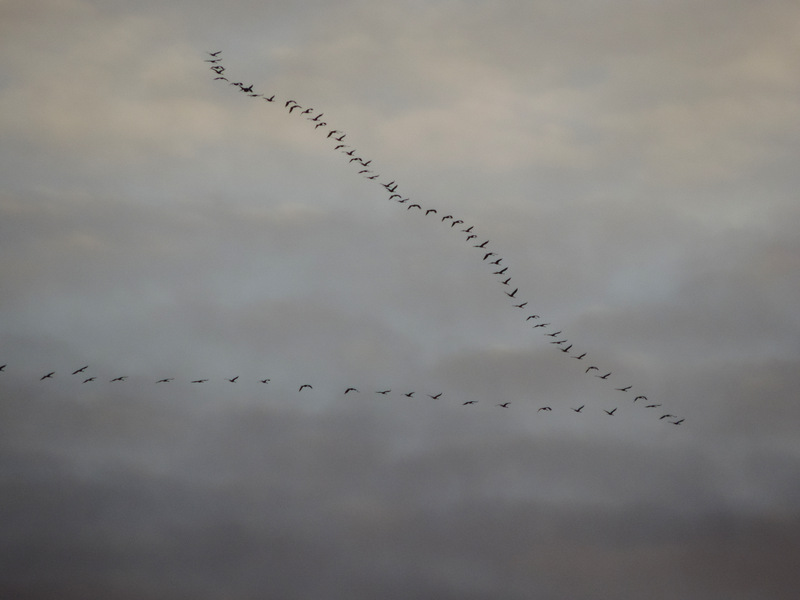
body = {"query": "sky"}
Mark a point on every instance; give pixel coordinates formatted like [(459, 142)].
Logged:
[(631, 163)]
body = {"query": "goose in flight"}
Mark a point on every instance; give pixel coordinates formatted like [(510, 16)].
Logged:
[(610, 412), (270, 99), (678, 422), (559, 342), (410, 206), (496, 262), (215, 53), (233, 380), (265, 380), (350, 389), (88, 379), (468, 229), (199, 380), (504, 404), (334, 132), (305, 385), (470, 236), (384, 392), (652, 406), (501, 271), (532, 317), (48, 376), (456, 222), (640, 398), (488, 254), (523, 305), (444, 218), (592, 368), (429, 211), (167, 380), (122, 378), (437, 396), (553, 334), (247, 90), (566, 348), (540, 325), (3, 368), (667, 416), (469, 402), (624, 389), (483, 245), (288, 102), (506, 283), (579, 409), (603, 376), (512, 294), (580, 357), (294, 106), (409, 395), (547, 408), (81, 370)]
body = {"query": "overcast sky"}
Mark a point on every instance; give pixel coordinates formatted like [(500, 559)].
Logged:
[(632, 163)]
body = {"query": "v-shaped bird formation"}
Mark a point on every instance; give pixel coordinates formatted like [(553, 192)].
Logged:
[(471, 237)]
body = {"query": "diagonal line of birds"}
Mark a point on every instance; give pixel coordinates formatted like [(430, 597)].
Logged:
[(471, 237)]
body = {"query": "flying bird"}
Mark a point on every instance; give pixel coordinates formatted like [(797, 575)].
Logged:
[(610, 412), (652, 406), (512, 294), (579, 409), (592, 368), (553, 334), (504, 404), (199, 380), (48, 376), (81, 370), (87, 380), (410, 206), (409, 395), (640, 398), (470, 236), (667, 416), (122, 378), (437, 396), (624, 389), (215, 53), (444, 218), (265, 380), (456, 222), (523, 305), (288, 102), (580, 357), (501, 271), (468, 229), (604, 376), (488, 254), (532, 317), (350, 389), (3, 368), (544, 408), (167, 380), (469, 402), (678, 422), (483, 245), (506, 283), (565, 349), (559, 342), (294, 106), (305, 385), (384, 392), (429, 211)]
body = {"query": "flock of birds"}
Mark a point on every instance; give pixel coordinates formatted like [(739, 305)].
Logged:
[(471, 237)]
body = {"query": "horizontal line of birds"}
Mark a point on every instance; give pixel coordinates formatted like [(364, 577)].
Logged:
[(307, 386), (494, 260)]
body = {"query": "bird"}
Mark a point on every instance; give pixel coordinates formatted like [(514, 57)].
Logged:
[(305, 385), (444, 218), (488, 254), (624, 389), (167, 380), (512, 294), (121, 378), (468, 229), (384, 392), (199, 380), (532, 317), (652, 406), (604, 376), (544, 408), (288, 102), (393, 196), (429, 211), (437, 396), (270, 99), (541, 325), (496, 262), (332, 132), (410, 206), (579, 409), (640, 398), (409, 395), (294, 106), (316, 118), (215, 53), (470, 236), (566, 348), (592, 368), (81, 370), (339, 146), (233, 380), (320, 124), (678, 422), (265, 380), (559, 342), (220, 77), (469, 402), (667, 416), (366, 164), (610, 412), (212, 60), (523, 305), (48, 376), (506, 283), (306, 111), (501, 271), (483, 245), (580, 357), (504, 404), (456, 222), (246, 90), (3, 368), (88, 379), (350, 389), (553, 334)]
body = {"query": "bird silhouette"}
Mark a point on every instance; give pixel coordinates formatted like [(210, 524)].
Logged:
[(167, 380), (553, 334), (512, 294), (384, 392), (501, 271), (350, 389), (305, 385), (652, 406), (288, 102), (215, 53), (483, 245), (640, 398), (410, 206), (603, 376), (265, 380), (610, 412), (592, 368), (470, 236), (523, 305), (566, 348), (233, 380), (88, 379), (667, 416), (444, 218), (469, 402), (429, 211), (506, 283), (678, 422), (580, 357), (122, 378), (81, 370), (3, 368), (468, 229), (579, 409), (437, 396), (48, 376), (488, 254), (504, 404), (531, 317), (409, 395), (547, 408), (624, 389), (199, 380)]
